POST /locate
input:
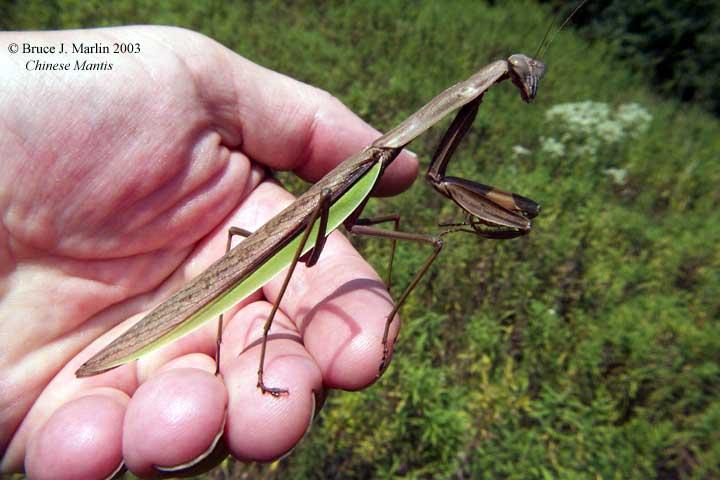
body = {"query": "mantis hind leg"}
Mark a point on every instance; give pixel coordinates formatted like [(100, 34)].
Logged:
[(218, 341), (321, 212)]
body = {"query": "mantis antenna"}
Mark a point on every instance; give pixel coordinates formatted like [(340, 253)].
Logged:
[(543, 47)]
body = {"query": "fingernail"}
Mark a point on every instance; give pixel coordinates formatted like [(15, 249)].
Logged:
[(200, 458), (313, 411), (118, 472)]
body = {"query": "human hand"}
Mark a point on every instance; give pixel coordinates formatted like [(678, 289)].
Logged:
[(116, 188)]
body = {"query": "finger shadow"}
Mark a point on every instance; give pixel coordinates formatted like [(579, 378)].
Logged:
[(326, 306), (272, 337)]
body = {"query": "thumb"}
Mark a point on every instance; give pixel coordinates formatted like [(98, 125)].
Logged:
[(281, 122)]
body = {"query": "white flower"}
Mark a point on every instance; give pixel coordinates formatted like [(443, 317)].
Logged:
[(618, 175), (519, 150), (633, 117), (552, 146), (609, 131), (583, 128)]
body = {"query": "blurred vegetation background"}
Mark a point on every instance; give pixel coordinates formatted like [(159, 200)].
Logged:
[(674, 43), (591, 347)]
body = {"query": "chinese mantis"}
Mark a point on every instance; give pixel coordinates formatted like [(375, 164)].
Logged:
[(298, 233)]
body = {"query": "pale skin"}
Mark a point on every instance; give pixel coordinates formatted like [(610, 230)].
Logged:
[(118, 187)]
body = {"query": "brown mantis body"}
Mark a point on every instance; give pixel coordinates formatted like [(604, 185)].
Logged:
[(298, 232)]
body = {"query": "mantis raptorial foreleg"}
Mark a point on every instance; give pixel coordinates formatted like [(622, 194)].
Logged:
[(508, 213)]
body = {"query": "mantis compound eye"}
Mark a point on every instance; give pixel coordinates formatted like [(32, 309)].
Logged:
[(526, 73)]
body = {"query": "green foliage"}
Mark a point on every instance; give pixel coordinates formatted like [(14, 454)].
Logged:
[(588, 349), (675, 43)]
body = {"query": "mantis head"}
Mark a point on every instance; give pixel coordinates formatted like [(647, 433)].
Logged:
[(525, 73)]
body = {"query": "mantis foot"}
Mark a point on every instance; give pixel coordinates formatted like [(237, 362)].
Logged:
[(384, 361), (274, 391)]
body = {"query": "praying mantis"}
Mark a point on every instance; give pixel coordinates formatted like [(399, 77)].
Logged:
[(298, 233)]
